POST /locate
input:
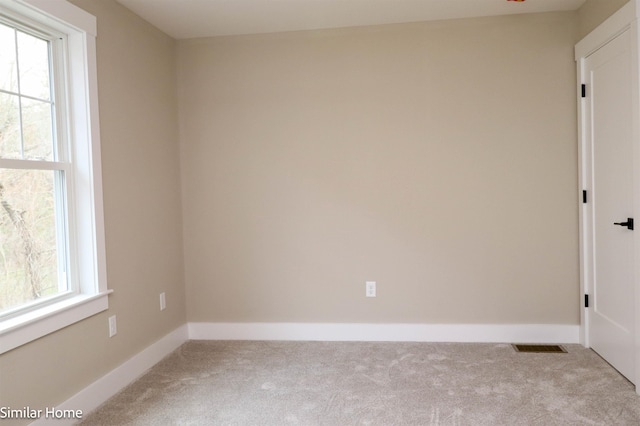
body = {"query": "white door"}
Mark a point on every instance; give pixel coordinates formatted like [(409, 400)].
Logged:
[(609, 148)]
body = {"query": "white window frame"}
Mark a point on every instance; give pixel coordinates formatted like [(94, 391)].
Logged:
[(87, 251)]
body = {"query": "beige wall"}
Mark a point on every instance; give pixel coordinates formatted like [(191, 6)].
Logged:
[(437, 159), (594, 12), (138, 114)]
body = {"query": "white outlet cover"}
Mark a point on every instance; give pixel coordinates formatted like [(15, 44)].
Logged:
[(113, 326), (163, 302), (370, 289)]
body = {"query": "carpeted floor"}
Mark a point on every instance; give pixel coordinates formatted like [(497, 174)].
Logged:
[(332, 383)]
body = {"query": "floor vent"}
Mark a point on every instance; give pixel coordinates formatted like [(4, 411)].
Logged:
[(544, 349)]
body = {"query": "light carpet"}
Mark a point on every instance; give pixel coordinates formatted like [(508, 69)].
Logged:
[(356, 383)]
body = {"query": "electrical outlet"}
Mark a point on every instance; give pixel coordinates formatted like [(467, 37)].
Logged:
[(113, 327), (163, 302), (370, 289)]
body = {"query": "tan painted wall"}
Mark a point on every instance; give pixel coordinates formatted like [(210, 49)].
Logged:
[(437, 159), (594, 12), (138, 114)]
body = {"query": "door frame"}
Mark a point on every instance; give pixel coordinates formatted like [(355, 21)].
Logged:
[(624, 19)]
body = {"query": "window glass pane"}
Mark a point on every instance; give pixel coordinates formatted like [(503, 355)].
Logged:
[(33, 62), (8, 70), (37, 130), (28, 249), (9, 126)]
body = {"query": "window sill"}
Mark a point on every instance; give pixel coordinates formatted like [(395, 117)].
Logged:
[(30, 326)]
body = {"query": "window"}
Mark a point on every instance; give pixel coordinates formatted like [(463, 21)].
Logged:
[(33, 165), (52, 260)]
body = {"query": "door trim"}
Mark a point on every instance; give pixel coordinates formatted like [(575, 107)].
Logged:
[(624, 19)]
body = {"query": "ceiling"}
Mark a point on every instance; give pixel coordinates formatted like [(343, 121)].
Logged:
[(205, 18)]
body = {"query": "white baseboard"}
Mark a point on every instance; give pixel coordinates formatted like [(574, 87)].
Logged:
[(108, 385), (477, 333)]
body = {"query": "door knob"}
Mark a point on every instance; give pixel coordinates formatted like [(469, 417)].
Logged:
[(628, 223)]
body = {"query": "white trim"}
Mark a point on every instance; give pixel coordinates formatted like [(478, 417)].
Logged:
[(583, 219), (37, 323), (111, 383), (480, 333), (64, 12), (635, 43), (607, 31)]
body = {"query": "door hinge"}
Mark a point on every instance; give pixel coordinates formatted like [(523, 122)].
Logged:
[(586, 300), (584, 90), (584, 196)]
